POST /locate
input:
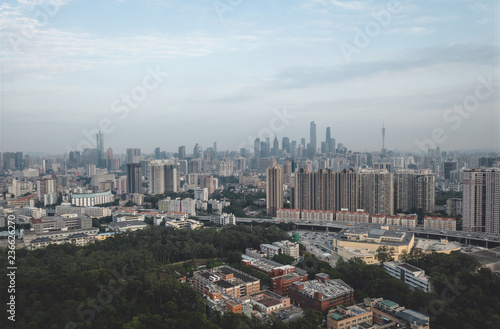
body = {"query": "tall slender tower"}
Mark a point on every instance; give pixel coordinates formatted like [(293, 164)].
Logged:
[(100, 149), (383, 140), (274, 190), (313, 136)]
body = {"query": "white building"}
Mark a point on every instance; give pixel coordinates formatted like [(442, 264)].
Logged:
[(91, 199), (201, 194), (288, 248), (225, 219), (178, 205), (270, 250), (409, 274)]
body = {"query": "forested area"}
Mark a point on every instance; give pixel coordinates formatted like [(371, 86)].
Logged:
[(129, 282)]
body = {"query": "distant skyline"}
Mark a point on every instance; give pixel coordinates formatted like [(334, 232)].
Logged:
[(202, 72)]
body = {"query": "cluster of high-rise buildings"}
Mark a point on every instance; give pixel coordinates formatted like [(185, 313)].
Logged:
[(377, 191), (312, 176)]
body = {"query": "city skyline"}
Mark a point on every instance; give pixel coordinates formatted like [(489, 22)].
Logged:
[(180, 74)]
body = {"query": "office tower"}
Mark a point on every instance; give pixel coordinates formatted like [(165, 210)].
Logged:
[(134, 178), (91, 156), (274, 189), (324, 148), (74, 159), (285, 145), (100, 149), (383, 141), (215, 147), (19, 161), (256, 148), (9, 161), (376, 192), (448, 167), (196, 151), (172, 177), (293, 150), (330, 141), (276, 147), (109, 154), (414, 189), (182, 152), (157, 153), (194, 166), (312, 131), (145, 168), (264, 151), (133, 155), (481, 200), (303, 142)]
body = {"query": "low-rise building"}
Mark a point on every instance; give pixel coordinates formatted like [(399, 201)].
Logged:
[(224, 219), (288, 248), (440, 223), (224, 280), (409, 274), (127, 226), (373, 238), (184, 224), (62, 222), (270, 250), (321, 294), (288, 214), (91, 199), (359, 216), (33, 240), (317, 215), (348, 317)]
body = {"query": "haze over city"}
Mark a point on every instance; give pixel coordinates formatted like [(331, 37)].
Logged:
[(220, 73)]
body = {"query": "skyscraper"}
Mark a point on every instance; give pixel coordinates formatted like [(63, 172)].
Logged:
[(196, 151), (414, 189), (330, 142), (376, 191), (156, 177), (325, 190), (256, 148), (285, 145), (481, 200), (133, 155), (313, 145), (172, 177), (100, 149), (182, 152), (274, 189), (157, 153), (134, 178)]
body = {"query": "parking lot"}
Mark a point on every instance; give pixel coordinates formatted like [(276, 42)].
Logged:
[(319, 244)]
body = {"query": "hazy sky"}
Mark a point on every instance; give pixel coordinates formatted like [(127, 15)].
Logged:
[(169, 73)]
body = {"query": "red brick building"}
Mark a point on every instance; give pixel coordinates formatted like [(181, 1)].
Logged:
[(321, 294)]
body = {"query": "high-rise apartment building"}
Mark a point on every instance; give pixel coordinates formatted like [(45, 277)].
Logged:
[(376, 191), (274, 189), (481, 200), (414, 189), (134, 178), (325, 190)]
